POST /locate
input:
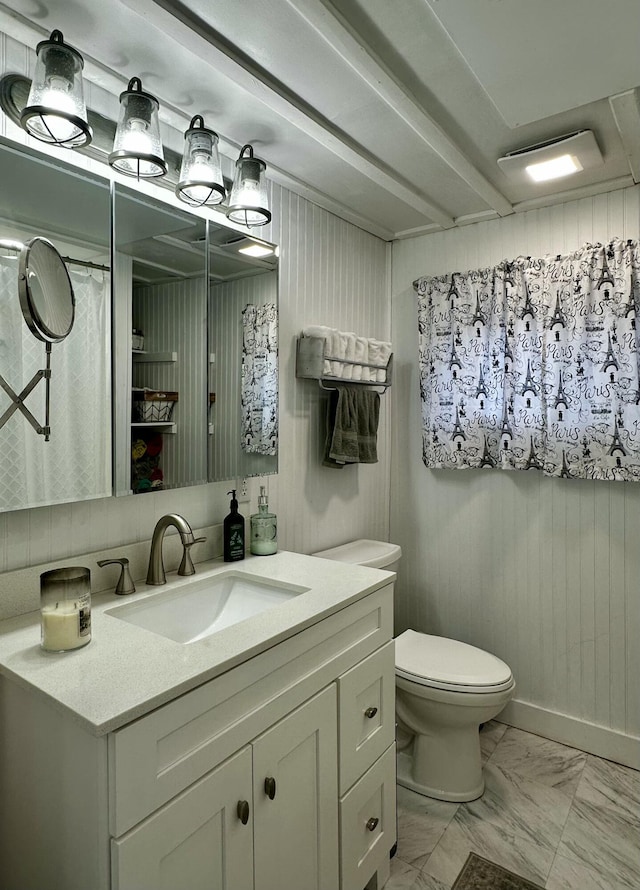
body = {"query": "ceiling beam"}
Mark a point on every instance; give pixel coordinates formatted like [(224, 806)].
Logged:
[(336, 32), (626, 113), (214, 50)]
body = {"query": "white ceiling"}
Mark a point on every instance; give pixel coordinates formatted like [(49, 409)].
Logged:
[(389, 113)]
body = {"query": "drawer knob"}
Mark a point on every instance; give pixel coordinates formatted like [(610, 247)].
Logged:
[(270, 787), (372, 823), (370, 712), (243, 811)]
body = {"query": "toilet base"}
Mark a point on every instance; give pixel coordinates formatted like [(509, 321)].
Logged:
[(405, 778)]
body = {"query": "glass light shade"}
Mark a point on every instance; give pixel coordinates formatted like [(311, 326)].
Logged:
[(55, 111), (201, 181), (248, 203), (137, 147)]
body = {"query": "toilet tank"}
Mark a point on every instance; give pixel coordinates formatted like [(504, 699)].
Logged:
[(377, 554)]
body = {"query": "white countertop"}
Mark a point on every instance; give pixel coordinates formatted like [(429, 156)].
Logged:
[(126, 671)]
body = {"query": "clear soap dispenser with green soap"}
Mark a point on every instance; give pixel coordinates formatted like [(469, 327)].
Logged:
[(264, 528)]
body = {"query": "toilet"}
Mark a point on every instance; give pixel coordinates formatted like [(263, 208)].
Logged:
[(445, 690)]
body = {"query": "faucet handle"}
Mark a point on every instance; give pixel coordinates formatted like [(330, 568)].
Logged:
[(186, 566), (125, 581)]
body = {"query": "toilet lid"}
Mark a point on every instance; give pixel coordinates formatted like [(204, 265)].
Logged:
[(449, 664)]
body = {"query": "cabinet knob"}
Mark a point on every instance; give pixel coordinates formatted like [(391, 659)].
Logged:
[(370, 712), (270, 787), (243, 811), (372, 823)]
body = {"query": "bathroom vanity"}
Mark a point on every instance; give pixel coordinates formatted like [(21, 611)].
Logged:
[(261, 756)]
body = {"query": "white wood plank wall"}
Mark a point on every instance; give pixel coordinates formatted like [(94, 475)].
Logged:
[(545, 573), (172, 318)]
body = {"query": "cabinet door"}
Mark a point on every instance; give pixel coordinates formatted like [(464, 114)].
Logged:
[(195, 842), (296, 832)]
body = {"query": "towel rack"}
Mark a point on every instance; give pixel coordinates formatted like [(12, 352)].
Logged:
[(310, 359)]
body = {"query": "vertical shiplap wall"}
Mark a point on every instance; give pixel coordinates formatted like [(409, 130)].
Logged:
[(330, 273), (542, 572), (335, 274), (173, 318)]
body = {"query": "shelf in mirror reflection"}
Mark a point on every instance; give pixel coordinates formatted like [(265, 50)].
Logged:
[(164, 426)]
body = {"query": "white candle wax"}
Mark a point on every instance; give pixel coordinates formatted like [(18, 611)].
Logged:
[(61, 629)]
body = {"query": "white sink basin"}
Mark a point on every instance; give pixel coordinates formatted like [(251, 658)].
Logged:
[(204, 606)]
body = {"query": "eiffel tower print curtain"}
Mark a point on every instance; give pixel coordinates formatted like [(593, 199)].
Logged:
[(533, 364)]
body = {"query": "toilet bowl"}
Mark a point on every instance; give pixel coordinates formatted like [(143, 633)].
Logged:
[(444, 690)]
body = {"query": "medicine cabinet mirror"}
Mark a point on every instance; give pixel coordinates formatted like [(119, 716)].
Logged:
[(55, 352), (189, 394)]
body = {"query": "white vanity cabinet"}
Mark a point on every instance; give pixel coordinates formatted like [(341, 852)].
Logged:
[(278, 774)]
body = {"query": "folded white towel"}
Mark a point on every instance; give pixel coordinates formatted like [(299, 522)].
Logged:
[(379, 353), (320, 331), (338, 351), (349, 354), (361, 355)]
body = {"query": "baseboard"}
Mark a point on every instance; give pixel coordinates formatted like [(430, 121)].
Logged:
[(589, 737)]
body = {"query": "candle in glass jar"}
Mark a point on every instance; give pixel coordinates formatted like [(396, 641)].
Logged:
[(65, 609)]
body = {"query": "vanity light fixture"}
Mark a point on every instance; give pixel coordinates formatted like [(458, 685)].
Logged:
[(201, 183), (248, 203), (552, 159), (55, 111), (137, 146)]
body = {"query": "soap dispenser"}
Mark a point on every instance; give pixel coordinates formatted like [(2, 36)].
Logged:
[(233, 532), (264, 528)]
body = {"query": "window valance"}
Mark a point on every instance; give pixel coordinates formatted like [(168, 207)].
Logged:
[(533, 364)]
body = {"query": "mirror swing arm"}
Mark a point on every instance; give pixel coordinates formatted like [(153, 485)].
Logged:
[(47, 302)]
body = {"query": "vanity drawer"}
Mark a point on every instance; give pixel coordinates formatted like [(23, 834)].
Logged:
[(368, 822), (366, 702), (156, 757)]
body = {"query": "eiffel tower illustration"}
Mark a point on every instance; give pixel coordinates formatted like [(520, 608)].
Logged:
[(564, 472), (605, 274), (486, 460), (560, 397), (558, 316), (505, 428), (453, 359), (453, 289), (479, 316), (533, 461), (481, 389), (630, 305), (508, 274), (616, 442), (610, 359), (528, 308), (457, 428), (529, 383)]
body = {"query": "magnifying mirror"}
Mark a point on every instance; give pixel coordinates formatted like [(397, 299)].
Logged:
[(46, 295)]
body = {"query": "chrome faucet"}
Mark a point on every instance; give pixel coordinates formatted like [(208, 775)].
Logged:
[(155, 573)]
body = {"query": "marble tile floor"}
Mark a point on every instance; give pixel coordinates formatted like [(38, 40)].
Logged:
[(564, 819)]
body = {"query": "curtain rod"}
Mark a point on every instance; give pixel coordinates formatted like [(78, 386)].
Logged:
[(87, 263)]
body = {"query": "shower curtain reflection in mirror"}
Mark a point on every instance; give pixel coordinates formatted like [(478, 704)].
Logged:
[(75, 464)]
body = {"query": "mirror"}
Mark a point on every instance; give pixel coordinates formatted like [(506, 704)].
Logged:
[(189, 394), (161, 306), (243, 359), (55, 403), (46, 294)]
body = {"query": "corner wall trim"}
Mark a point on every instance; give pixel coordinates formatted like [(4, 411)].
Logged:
[(599, 740)]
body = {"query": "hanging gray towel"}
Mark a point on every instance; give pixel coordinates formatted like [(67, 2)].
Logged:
[(352, 426)]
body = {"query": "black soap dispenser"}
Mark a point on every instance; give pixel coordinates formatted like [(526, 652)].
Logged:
[(233, 532)]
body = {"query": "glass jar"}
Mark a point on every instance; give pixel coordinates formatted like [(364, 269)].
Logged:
[(65, 608)]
